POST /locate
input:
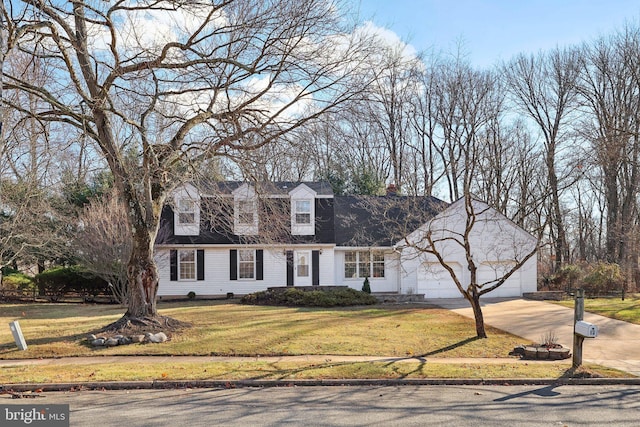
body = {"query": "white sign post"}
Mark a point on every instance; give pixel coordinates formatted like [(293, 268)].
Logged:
[(17, 335)]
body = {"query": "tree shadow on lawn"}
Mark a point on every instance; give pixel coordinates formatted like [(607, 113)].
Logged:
[(52, 310), (450, 347), (286, 373), (10, 348)]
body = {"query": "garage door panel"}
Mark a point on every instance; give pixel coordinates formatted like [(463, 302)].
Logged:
[(434, 281), (510, 288)]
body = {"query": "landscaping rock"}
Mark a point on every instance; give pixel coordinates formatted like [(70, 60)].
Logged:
[(98, 342), (137, 338), (543, 353), (124, 340), (559, 353), (530, 353), (540, 352), (91, 337), (156, 338), (111, 342), (517, 351)]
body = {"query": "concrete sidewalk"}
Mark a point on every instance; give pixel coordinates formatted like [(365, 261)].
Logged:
[(617, 345)]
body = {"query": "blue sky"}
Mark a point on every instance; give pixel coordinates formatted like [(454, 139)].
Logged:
[(495, 30)]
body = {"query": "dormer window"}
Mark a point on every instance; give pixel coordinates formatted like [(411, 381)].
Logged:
[(303, 215), (302, 212), (186, 212), (246, 212)]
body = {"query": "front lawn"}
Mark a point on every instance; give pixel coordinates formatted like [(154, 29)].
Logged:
[(230, 329), (227, 328), (614, 308)]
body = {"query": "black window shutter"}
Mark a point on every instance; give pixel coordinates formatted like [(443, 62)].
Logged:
[(289, 268), (233, 264), (259, 264), (173, 265), (200, 263), (315, 268)]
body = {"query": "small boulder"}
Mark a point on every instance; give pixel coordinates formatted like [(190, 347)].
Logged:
[(124, 340), (517, 351), (98, 342), (111, 342), (157, 338), (137, 338)]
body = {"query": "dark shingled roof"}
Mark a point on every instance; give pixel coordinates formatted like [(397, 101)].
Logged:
[(283, 188), (383, 220), (359, 221)]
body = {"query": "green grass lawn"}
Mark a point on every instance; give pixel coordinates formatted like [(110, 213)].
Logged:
[(615, 308), (223, 328), (230, 329)]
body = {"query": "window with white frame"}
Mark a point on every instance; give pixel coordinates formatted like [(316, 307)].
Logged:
[(361, 264), (186, 212), (302, 213), (350, 265), (246, 212), (377, 264), (246, 264), (187, 265)]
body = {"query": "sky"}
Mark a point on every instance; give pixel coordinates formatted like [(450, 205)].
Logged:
[(495, 30)]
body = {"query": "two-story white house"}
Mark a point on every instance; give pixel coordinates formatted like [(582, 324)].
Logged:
[(238, 237)]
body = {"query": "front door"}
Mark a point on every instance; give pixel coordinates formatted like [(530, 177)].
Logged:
[(302, 270)]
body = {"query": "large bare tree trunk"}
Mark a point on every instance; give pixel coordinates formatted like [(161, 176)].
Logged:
[(474, 300), (143, 277)]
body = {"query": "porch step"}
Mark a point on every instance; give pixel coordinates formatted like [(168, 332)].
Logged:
[(395, 297)]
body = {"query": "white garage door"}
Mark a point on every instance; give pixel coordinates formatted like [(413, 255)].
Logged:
[(494, 271), (434, 281)]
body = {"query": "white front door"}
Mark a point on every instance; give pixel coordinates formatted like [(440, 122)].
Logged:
[(302, 270)]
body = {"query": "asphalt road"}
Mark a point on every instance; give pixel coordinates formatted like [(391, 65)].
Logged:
[(352, 406)]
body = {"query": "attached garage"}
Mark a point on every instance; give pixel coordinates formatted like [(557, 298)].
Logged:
[(489, 272), (434, 281)]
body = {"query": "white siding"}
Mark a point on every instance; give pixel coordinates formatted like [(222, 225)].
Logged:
[(493, 240), (389, 283), (216, 275), (434, 281)]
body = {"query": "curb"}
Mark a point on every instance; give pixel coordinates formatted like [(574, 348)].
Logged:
[(230, 384)]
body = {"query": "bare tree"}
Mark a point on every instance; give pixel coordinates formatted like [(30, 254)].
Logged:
[(462, 228), (424, 120), (162, 86), (103, 242), (544, 87), (389, 108), (610, 94)]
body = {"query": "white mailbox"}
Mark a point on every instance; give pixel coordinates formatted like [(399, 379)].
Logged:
[(586, 329)]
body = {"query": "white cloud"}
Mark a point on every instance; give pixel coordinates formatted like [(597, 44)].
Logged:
[(389, 39)]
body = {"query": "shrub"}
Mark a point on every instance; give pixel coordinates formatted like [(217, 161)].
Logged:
[(366, 287), (60, 281), (603, 278), (18, 281), (191, 295), (297, 297)]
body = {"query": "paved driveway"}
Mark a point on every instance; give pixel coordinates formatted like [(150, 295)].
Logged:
[(617, 344)]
